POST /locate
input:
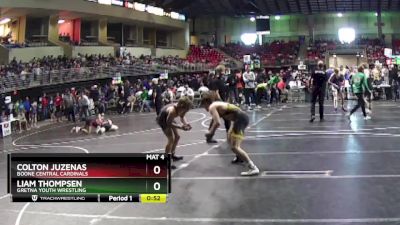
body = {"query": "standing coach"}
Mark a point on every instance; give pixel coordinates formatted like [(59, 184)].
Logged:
[(318, 84)]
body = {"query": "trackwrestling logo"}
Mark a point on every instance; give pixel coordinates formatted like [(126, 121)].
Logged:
[(34, 198)]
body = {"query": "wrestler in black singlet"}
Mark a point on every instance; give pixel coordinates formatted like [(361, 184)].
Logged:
[(163, 116)]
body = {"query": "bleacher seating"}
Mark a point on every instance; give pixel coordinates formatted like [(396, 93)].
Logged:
[(55, 70), (275, 53), (204, 54), (316, 51), (396, 47), (374, 48)]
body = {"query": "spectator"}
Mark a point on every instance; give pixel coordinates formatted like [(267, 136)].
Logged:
[(157, 96), (215, 85), (69, 102), (27, 108), (168, 96), (250, 85), (261, 91), (203, 88), (22, 120), (83, 106), (144, 96), (188, 92), (239, 85), (95, 95), (377, 75), (283, 92), (45, 106), (58, 102), (385, 74), (122, 102), (393, 78), (34, 114), (232, 88), (273, 89), (52, 109)]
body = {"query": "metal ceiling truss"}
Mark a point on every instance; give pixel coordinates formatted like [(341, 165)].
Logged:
[(274, 7)]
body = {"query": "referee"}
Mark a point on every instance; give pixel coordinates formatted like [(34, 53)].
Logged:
[(318, 84)]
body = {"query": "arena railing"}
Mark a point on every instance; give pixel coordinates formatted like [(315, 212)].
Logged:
[(13, 82)]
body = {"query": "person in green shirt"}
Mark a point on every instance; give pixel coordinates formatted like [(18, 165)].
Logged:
[(360, 86), (274, 80), (144, 96), (272, 84)]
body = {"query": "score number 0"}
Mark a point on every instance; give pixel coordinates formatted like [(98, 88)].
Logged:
[(156, 185)]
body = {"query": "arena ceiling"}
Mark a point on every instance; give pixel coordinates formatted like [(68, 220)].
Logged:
[(272, 7)]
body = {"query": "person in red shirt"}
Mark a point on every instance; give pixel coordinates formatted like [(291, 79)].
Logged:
[(281, 85), (239, 86), (58, 101), (45, 106), (283, 92)]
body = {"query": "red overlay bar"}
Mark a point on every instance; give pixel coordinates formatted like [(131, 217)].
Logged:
[(108, 170)]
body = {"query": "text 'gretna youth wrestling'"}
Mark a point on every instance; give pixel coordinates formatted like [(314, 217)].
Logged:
[(43, 186)]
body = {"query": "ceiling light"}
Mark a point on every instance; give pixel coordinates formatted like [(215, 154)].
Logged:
[(5, 20), (346, 35), (61, 21), (376, 14), (339, 14), (252, 19), (249, 38), (139, 6), (277, 17)]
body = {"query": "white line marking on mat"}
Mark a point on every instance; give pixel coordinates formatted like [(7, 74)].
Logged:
[(203, 115), (183, 145), (315, 176), (194, 159), (203, 123), (103, 137), (108, 213), (49, 146), (303, 153), (222, 220), (4, 196), (21, 212), (296, 131), (37, 132), (268, 115), (296, 172)]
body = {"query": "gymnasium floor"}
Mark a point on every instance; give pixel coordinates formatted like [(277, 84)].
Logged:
[(333, 172)]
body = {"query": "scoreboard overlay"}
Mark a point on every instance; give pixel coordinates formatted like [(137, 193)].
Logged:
[(94, 177)]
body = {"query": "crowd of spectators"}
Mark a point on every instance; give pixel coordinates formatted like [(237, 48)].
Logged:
[(197, 55), (53, 69), (316, 50), (76, 104), (136, 95), (66, 37), (396, 46), (49, 63), (374, 48), (248, 89), (17, 74), (276, 53)]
